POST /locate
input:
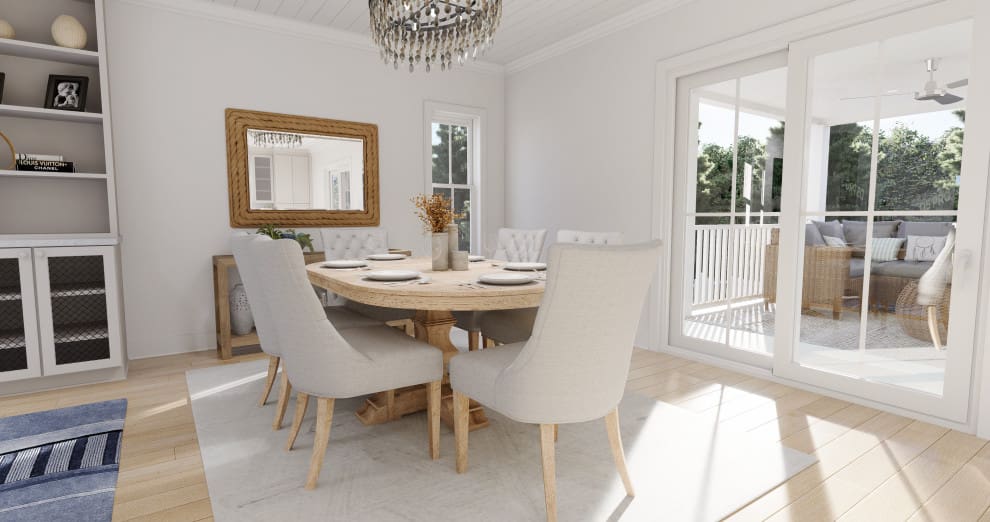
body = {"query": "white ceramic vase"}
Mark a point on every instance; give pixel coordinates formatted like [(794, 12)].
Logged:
[(241, 320), (441, 260), (68, 32), (452, 242)]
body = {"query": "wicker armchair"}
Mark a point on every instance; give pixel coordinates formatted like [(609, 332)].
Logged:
[(826, 276)]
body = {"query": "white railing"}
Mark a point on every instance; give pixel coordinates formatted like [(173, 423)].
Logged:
[(728, 262)]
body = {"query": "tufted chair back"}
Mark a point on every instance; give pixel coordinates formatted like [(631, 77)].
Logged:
[(589, 238), (354, 243), (520, 246)]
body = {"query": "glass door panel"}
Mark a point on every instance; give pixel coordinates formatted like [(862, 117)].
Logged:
[(883, 144), (733, 162)]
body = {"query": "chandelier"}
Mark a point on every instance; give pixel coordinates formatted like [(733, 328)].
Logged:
[(433, 31), (276, 139)]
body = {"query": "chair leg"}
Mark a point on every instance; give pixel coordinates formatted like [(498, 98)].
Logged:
[(837, 308), (433, 412), (302, 401), (933, 327), (549, 471), (487, 342), (473, 339), (555, 432), (283, 401), (615, 440), (270, 379), (324, 417), (461, 413)]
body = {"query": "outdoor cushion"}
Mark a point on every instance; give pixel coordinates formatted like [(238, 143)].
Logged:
[(924, 248), (812, 237), (829, 228), (856, 267), (834, 241), (855, 231), (886, 248), (912, 269), (924, 228)]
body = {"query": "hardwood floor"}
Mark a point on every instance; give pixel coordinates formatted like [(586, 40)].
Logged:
[(872, 465)]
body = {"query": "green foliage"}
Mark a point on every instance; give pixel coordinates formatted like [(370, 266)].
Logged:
[(453, 140), (271, 230)]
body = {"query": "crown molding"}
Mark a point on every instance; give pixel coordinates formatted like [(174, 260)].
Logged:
[(266, 22), (610, 26)]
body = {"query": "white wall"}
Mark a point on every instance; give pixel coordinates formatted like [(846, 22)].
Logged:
[(172, 75)]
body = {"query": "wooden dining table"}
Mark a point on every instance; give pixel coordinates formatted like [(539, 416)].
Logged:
[(434, 296)]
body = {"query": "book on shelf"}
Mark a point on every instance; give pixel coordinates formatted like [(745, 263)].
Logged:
[(31, 165), (40, 157)]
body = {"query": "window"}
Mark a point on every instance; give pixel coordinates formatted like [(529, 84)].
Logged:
[(452, 143)]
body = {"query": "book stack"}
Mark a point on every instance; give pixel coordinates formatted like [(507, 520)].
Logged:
[(43, 163)]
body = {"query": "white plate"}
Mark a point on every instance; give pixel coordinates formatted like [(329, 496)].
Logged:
[(386, 257), (525, 266), (475, 259), (503, 278), (345, 263), (392, 275)]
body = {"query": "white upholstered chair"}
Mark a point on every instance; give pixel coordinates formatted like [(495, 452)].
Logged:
[(251, 276), (356, 243), (514, 245), (514, 326), (328, 363), (584, 333)]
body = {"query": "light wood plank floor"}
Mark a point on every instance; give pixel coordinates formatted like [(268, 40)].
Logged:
[(872, 465)]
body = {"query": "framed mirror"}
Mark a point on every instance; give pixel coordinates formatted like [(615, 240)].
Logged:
[(298, 171)]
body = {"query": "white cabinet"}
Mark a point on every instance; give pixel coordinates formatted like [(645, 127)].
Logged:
[(19, 348), (69, 317)]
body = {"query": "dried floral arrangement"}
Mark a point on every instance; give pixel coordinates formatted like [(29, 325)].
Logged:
[(436, 211)]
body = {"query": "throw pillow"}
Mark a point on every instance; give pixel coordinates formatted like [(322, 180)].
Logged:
[(834, 241), (812, 236), (886, 248), (924, 248), (829, 228)]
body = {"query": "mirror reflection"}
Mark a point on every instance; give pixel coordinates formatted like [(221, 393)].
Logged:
[(293, 171)]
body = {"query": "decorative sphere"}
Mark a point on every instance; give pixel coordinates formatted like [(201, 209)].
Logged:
[(6, 30), (68, 32)]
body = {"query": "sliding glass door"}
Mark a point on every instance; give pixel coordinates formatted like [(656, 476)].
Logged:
[(730, 151), (887, 207)]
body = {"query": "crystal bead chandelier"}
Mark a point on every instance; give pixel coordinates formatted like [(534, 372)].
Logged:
[(272, 139), (433, 31)]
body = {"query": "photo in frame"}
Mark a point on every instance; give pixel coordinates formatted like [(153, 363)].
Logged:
[(66, 93)]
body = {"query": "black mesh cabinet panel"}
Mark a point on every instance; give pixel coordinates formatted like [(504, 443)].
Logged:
[(13, 350), (79, 309)]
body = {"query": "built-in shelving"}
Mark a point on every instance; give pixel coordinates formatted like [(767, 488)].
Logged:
[(19, 111), (81, 332), (10, 294), (12, 339), (53, 175), (40, 51), (76, 290)]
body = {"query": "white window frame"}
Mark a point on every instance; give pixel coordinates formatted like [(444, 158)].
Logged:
[(473, 118)]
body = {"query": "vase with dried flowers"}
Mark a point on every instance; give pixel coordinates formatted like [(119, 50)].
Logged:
[(436, 211)]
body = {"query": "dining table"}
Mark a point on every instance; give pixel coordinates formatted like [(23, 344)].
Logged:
[(434, 296)]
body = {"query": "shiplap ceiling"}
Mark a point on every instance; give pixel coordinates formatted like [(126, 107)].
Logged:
[(528, 26)]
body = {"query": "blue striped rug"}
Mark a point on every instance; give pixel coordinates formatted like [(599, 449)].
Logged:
[(61, 464)]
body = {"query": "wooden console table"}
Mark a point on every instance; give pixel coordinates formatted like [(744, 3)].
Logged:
[(226, 341)]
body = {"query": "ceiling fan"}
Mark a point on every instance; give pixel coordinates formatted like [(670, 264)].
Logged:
[(931, 91)]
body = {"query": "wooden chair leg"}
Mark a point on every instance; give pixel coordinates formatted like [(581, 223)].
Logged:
[(270, 379), (302, 401), (615, 440), (549, 471), (473, 339), (555, 432), (461, 416), (324, 417), (283, 401), (433, 414), (837, 308), (487, 342)]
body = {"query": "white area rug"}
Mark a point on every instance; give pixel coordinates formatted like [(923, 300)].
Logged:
[(683, 468)]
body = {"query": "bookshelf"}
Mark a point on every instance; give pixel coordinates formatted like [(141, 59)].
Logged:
[(58, 226)]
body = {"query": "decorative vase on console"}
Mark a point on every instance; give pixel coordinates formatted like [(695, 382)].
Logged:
[(241, 320), (453, 242), (436, 212)]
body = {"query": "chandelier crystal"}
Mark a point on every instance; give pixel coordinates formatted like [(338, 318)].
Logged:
[(272, 139), (433, 31)]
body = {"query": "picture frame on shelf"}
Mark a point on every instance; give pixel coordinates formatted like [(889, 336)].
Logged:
[(66, 93), (2, 77)]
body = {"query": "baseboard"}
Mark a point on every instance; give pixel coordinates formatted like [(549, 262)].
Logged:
[(56, 382)]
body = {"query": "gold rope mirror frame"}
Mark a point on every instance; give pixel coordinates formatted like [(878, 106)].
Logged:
[(242, 215), (13, 152)]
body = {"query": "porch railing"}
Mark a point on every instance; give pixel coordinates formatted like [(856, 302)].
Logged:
[(728, 262)]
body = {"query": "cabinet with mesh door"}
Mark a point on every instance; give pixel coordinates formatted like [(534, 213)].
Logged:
[(19, 349), (78, 316)]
